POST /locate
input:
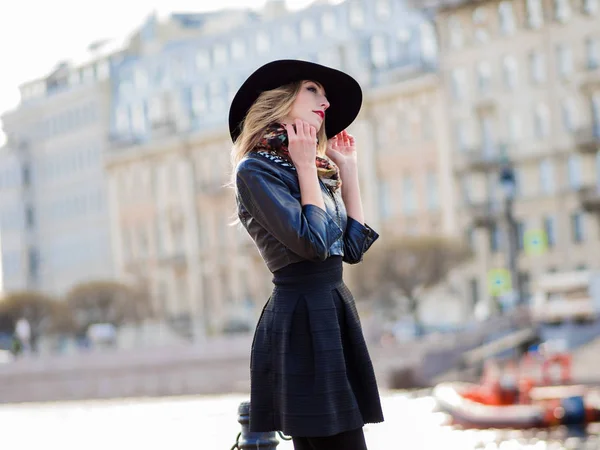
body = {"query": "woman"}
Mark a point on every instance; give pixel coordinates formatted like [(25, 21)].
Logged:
[(298, 197)]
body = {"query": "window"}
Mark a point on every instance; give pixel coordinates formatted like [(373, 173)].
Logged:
[(562, 10), (288, 34), (156, 111), (537, 67), (535, 13), (577, 232), (383, 9), (546, 177), (103, 70), (507, 17), (592, 52), (484, 76), (462, 136), (486, 130), (564, 58), (568, 111), (481, 27), (428, 41), (455, 32), (596, 112), (199, 103), (511, 75), (308, 30), (263, 43), (591, 6), (379, 56), (515, 126), (138, 118), (541, 121), (202, 60), (409, 203), (385, 205), (238, 49), (433, 201), (550, 231), (328, 22), (459, 83), (219, 54), (356, 15), (217, 95), (574, 171)]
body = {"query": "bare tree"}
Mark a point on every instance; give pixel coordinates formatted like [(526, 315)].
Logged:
[(107, 302), (403, 267)]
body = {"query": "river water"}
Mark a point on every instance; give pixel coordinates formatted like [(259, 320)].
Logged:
[(210, 423)]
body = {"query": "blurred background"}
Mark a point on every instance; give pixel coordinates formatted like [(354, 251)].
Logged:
[(122, 276)]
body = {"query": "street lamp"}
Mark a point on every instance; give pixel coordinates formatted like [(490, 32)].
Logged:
[(509, 186)]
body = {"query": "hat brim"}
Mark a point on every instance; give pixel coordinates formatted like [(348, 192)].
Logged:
[(343, 92)]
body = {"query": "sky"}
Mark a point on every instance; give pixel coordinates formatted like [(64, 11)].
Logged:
[(36, 34)]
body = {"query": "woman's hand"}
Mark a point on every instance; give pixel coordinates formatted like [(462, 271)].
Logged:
[(302, 144), (342, 150)]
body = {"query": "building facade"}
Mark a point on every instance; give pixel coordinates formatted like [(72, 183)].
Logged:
[(55, 227), (523, 86), (169, 161)]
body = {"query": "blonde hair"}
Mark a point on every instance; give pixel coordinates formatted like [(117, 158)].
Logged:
[(270, 106)]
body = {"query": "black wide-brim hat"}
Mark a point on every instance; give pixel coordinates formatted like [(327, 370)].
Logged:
[(343, 92)]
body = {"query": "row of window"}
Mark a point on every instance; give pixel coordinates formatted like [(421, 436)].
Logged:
[(515, 124), (505, 19), (77, 76), (410, 203), (87, 247), (221, 54), (577, 233), (68, 162), (547, 176), (73, 205), (67, 208), (65, 122), (509, 69)]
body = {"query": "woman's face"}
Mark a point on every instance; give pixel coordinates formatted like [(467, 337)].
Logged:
[(310, 105)]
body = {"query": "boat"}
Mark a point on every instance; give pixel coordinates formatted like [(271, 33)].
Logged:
[(544, 407)]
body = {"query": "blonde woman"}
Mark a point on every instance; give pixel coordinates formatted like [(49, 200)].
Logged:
[(297, 191)]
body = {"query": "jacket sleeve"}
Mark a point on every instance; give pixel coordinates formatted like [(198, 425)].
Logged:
[(358, 238), (306, 230)]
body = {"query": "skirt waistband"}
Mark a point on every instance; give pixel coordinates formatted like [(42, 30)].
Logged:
[(329, 271)]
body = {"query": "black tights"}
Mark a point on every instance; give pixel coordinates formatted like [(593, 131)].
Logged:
[(348, 440)]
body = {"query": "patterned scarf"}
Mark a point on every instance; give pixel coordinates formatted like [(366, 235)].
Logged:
[(275, 142)]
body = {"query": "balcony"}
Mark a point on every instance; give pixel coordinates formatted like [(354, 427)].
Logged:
[(485, 103), (589, 198), (484, 214), (591, 78), (587, 139), (441, 5), (481, 159), (175, 259)]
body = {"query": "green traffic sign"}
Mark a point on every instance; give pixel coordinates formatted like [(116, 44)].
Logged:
[(499, 282), (535, 242)]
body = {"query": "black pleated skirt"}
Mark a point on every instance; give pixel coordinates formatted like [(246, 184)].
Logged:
[(310, 371)]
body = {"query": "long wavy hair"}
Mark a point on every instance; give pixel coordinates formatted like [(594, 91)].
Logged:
[(270, 107)]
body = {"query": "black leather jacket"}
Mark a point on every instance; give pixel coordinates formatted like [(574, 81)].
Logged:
[(285, 232)]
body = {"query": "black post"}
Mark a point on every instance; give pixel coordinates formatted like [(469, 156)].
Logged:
[(507, 178), (250, 440)]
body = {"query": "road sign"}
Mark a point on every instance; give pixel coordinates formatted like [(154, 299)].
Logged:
[(535, 242), (499, 282)]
